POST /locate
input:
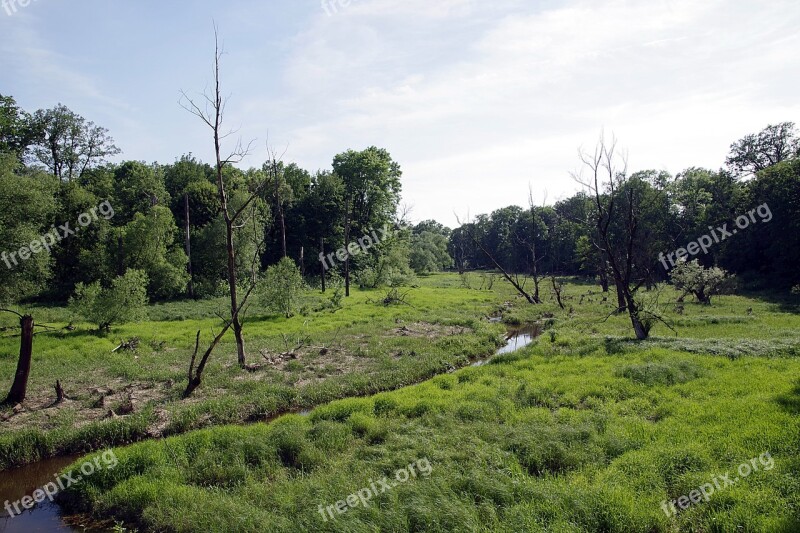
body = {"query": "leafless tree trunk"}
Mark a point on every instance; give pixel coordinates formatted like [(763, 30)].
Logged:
[(120, 256), (322, 252), (346, 241), (60, 396), (621, 302), (557, 291), (530, 243), (196, 374), (190, 287), (212, 115), (275, 171), (20, 386)]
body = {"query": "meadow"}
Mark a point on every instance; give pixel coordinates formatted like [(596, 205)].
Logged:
[(323, 353), (583, 430)]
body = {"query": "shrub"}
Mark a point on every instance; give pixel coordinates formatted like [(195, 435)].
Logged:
[(124, 301), (283, 285), (691, 278)]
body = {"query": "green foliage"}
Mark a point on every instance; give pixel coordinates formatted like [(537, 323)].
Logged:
[(756, 152), (537, 443), (371, 186), (138, 187), (67, 144), (281, 287), (28, 204), (16, 133), (335, 285), (125, 301), (768, 250), (149, 246), (429, 252), (361, 190)]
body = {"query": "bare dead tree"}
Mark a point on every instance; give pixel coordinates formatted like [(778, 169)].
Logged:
[(196, 374), (274, 170), (514, 280), (19, 388), (211, 112), (187, 236), (346, 241), (607, 174), (558, 290), (535, 254), (404, 214), (460, 251)]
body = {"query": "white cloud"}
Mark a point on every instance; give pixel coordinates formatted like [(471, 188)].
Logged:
[(677, 80), (475, 99)]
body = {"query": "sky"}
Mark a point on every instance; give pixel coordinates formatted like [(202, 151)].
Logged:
[(477, 100)]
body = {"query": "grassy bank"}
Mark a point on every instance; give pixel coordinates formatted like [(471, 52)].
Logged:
[(538, 441), (584, 430)]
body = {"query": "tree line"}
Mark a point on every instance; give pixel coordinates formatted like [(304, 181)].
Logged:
[(169, 221), (629, 222)]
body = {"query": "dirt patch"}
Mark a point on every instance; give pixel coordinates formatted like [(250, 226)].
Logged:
[(84, 405)]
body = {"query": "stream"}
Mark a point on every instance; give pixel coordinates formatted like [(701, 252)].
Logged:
[(516, 338), (46, 517)]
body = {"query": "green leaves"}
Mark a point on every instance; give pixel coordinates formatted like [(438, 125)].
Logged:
[(124, 301), (282, 286)]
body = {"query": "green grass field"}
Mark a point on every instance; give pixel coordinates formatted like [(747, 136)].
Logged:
[(310, 359), (584, 430)]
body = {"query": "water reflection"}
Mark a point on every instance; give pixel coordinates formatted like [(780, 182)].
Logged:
[(44, 517), (516, 339)]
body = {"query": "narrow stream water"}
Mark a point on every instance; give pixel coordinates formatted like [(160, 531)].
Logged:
[(516, 339), (46, 517), (18, 483)]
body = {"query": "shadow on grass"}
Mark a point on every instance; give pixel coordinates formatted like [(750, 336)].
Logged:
[(782, 300), (791, 400)]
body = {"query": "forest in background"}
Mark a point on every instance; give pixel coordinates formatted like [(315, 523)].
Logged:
[(166, 221)]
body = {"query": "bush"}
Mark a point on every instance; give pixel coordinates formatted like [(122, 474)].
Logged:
[(124, 301), (691, 278), (283, 285), (336, 286), (368, 278)]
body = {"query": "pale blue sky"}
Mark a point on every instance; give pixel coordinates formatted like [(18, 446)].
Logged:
[(474, 98)]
